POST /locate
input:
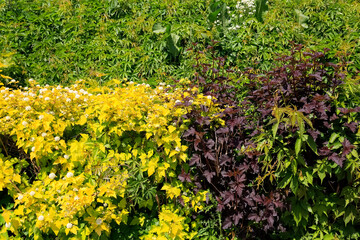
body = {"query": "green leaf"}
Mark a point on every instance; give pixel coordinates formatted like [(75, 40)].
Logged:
[(301, 160), (309, 178), (294, 184), (285, 181), (349, 215), (171, 42), (302, 19), (311, 143), (216, 9), (355, 154), (333, 137), (329, 237), (275, 128), (336, 145), (297, 212), (261, 7), (298, 146), (157, 28), (321, 175)]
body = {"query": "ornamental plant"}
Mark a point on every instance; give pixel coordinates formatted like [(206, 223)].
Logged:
[(307, 131), (224, 158), (285, 163), (78, 162)]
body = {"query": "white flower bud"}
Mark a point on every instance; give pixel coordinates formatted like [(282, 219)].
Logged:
[(41, 218), (20, 197), (7, 225), (69, 175), (98, 221), (52, 175), (69, 225), (66, 156), (57, 138), (28, 108), (32, 193)]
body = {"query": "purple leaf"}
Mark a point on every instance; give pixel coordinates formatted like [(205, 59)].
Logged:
[(352, 126), (210, 156), (337, 159), (227, 223), (184, 176), (190, 132), (209, 175), (195, 159), (347, 147)]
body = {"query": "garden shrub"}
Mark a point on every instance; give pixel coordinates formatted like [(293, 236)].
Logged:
[(224, 158), (285, 163), (308, 133), (95, 158)]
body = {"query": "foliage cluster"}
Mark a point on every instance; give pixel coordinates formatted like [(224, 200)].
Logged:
[(228, 154), (250, 148), (286, 161), (59, 41), (76, 163)]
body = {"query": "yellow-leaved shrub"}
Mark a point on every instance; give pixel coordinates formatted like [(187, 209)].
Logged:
[(83, 146)]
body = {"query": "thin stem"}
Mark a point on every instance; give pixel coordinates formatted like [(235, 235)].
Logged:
[(4, 147)]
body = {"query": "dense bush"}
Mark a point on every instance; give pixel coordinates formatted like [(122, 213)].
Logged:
[(271, 154), (62, 41), (290, 144), (76, 163), (261, 143)]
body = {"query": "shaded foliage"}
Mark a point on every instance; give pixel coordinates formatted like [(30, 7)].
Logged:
[(288, 145)]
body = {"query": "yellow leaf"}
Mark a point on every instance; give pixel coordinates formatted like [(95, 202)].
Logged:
[(150, 153), (102, 147), (6, 214), (167, 150), (183, 157), (17, 178), (98, 230), (148, 135), (152, 166), (171, 191), (134, 152), (171, 128), (172, 153), (82, 120)]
